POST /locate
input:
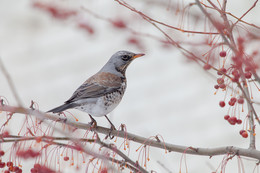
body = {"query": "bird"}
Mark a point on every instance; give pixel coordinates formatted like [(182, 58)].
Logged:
[(101, 93)]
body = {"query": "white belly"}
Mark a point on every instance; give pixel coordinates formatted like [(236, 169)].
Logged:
[(100, 106)]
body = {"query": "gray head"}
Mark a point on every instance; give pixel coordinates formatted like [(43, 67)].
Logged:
[(119, 62)]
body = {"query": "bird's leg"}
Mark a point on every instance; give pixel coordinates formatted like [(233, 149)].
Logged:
[(93, 122), (111, 128), (112, 125)]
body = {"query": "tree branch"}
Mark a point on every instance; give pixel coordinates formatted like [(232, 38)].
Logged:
[(251, 153)]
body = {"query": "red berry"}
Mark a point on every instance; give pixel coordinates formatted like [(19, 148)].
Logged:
[(5, 134), (2, 153), (223, 54), (220, 80), (216, 86), (241, 131), (37, 166), (240, 100), (9, 164), (231, 103), (38, 139), (34, 170), (133, 41), (235, 73), (247, 68), (245, 134), (19, 171), (233, 99), (66, 158), (7, 171), (104, 170), (232, 120), (234, 79), (239, 121), (119, 23), (11, 169), (226, 117), (248, 75), (207, 67), (86, 27), (15, 168), (222, 71), (2, 164), (222, 86), (222, 104)]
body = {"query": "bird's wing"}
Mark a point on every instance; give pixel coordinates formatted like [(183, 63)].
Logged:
[(96, 86)]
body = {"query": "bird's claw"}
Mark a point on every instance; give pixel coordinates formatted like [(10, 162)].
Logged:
[(112, 128), (93, 123)]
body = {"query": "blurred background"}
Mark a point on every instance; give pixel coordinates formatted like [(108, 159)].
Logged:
[(48, 57)]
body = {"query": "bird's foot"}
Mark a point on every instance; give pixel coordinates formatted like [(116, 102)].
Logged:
[(122, 127), (93, 122), (112, 128)]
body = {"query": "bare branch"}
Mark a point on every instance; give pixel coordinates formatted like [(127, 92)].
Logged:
[(253, 6), (121, 2), (251, 153), (120, 153), (215, 25)]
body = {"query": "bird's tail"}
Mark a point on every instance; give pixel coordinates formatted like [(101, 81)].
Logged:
[(63, 107)]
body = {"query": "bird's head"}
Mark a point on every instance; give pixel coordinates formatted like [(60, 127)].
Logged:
[(120, 60)]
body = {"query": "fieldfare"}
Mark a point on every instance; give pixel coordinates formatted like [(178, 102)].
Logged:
[(102, 92)]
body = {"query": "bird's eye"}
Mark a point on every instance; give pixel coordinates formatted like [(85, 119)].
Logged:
[(125, 57)]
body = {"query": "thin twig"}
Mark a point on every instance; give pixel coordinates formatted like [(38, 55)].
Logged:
[(230, 14), (215, 25), (253, 6), (121, 154), (10, 83), (15, 138)]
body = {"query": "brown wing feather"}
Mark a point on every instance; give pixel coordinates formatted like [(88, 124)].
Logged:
[(96, 86)]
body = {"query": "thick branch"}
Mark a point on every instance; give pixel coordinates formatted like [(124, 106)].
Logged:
[(251, 153)]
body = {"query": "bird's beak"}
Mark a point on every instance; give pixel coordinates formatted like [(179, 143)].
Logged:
[(138, 55)]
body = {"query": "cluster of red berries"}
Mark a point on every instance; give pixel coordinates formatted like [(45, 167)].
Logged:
[(232, 120), (232, 101), (27, 153), (55, 11), (221, 84), (63, 14), (37, 168), (11, 167), (236, 75), (222, 71)]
